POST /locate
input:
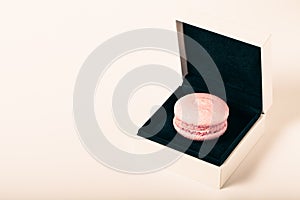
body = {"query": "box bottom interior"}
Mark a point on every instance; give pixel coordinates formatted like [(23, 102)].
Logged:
[(240, 120)]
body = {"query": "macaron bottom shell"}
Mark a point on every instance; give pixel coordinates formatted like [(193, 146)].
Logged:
[(199, 136)]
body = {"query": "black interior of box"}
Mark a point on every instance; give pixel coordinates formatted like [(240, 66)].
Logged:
[(239, 64)]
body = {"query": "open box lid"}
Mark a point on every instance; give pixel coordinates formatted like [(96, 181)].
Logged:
[(241, 55)]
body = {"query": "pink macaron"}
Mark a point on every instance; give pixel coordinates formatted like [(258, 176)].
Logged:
[(200, 116)]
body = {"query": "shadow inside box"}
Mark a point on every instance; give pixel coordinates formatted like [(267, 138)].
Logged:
[(239, 122), (282, 112)]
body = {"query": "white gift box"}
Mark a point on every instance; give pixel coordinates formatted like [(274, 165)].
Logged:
[(243, 59)]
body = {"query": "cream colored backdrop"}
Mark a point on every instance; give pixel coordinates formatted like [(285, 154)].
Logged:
[(42, 47)]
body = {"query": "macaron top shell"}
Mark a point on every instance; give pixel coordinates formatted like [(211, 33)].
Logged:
[(201, 109)]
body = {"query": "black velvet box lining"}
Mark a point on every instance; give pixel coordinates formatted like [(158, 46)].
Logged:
[(239, 64)]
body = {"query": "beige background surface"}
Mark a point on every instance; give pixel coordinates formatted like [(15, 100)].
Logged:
[(42, 47)]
